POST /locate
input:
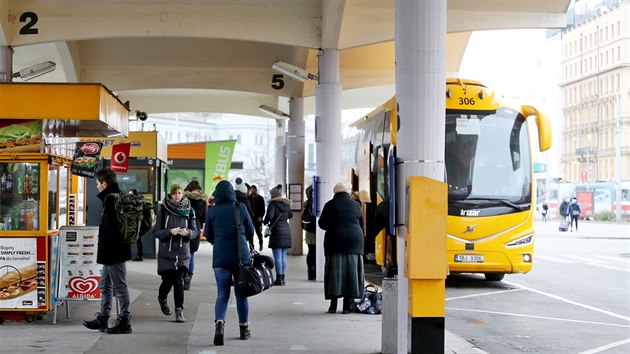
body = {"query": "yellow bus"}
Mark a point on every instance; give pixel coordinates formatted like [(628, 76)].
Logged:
[(488, 159)]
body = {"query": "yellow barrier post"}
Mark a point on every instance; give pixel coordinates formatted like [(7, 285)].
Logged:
[(425, 262)]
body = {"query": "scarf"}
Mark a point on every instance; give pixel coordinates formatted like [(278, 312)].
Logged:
[(179, 208)]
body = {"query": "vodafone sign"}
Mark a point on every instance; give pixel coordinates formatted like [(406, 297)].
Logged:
[(120, 157)]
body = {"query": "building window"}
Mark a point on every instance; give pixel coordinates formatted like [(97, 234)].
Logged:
[(259, 139)]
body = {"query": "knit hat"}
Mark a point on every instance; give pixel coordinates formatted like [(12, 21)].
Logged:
[(276, 192), (240, 186)]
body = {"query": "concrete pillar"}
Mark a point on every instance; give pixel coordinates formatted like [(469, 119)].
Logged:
[(280, 157), (6, 64), (295, 155), (420, 80), (327, 138)]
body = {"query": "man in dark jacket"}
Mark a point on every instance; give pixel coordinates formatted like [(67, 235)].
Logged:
[(241, 196), (112, 253), (258, 207)]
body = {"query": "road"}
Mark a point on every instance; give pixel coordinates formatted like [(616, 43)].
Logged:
[(575, 300)]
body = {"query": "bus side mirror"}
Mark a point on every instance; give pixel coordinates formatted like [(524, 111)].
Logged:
[(544, 126)]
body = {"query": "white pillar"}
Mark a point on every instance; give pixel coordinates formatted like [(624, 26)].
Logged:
[(327, 138), (280, 157), (6, 64), (420, 82), (295, 155)]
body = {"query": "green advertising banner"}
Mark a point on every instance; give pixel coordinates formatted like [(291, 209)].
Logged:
[(218, 162)]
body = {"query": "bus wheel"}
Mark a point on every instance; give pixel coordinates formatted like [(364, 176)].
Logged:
[(494, 276)]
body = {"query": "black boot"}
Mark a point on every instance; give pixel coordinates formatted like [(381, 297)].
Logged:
[(282, 283), (164, 307), (100, 323), (333, 305), (187, 280), (218, 333), (122, 326), (245, 332), (278, 281)]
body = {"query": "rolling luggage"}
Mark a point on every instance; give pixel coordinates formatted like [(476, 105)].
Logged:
[(564, 225)]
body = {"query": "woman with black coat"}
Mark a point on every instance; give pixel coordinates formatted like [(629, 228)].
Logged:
[(176, 225), (343, 247), (277, 217)]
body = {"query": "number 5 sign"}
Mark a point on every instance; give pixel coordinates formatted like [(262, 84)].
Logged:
[(120, 157)]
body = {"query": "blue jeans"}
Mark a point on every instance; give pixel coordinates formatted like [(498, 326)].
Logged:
[(224, 281), (114, 278), (280, 258), (191, 268)]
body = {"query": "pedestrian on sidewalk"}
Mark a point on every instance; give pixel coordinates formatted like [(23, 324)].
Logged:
[(176, 225), (220, 231), (309, 225), (113, 253), (343, 247), (258, 207), (198, 201), (574, 210), (277, 218)]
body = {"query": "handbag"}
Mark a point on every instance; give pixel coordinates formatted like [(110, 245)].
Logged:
[(371, 302), (254, 276), (268, 229)]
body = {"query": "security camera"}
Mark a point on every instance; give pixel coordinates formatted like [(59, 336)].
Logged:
[(141, 115)]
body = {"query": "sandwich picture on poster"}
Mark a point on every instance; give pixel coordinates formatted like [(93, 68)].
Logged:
[(85, 159), (16, 282)]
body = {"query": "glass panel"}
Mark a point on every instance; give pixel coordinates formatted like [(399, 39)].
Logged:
[(135, 177), (19, 195), (63, 196), (80, 201), (53, 172)]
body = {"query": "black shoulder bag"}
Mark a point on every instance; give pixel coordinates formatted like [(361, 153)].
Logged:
[(253, 276)]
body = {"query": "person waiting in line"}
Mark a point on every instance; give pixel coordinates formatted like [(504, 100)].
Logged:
[(197, 197), (574, 210), (113, 253), (139, 246), (310, 227), (342, 219), (220, 230), (258, 207), (241, 196), (174, 228), (277, 218)]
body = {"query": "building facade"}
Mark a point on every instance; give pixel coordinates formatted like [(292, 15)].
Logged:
[(596, 87)]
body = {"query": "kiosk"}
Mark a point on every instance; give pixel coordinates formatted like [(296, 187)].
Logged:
[(39, 127)]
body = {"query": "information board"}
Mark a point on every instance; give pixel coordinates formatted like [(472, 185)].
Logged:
[(79, 274)]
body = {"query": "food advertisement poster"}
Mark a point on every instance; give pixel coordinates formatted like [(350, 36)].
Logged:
[(79, 274), (85, 158), (22, 275), (17, 135)]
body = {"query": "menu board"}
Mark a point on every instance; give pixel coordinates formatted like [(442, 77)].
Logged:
[(22, 274), (79, 274)]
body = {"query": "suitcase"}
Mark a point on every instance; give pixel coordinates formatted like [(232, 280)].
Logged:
[(564, 225)]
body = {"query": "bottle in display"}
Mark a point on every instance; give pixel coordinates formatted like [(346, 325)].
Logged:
[(29, 219), (16, 219), (35, 181), (8, 223), (9, 182), (20, 185), (35, 219), (3, 181), (22, 218), (27, 185)]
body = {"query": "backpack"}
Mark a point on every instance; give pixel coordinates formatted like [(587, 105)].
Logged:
[(135, 216), (308, 219), (575, 210)]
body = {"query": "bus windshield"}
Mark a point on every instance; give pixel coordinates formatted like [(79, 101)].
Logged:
[(487, 158)]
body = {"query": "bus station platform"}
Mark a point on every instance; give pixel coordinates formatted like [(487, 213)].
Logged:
[(283, 319)]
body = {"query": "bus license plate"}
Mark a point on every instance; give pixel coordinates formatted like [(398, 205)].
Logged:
[(469, 258)]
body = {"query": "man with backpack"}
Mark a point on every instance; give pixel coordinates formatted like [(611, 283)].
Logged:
[(574, 211), (309, 225), (112, 252)]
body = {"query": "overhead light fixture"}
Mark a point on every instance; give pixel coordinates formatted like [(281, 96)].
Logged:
[(36, 70), (273, 112), (293, 71)]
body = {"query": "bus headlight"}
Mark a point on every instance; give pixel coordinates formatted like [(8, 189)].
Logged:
[(521, 241)]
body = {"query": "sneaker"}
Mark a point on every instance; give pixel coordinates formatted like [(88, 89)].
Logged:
[(137, 259), (179, 315), (164, 307), (99, 323), (245, 332), (218, 333), (122, 326)]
